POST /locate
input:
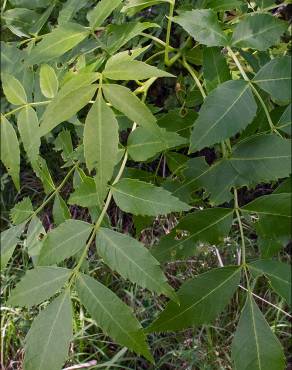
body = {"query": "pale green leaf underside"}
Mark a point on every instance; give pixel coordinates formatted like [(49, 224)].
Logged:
[(72, 97), (8, 241), (143, 144), (132, 70), (10, 153), (255, 347), (48, 81), (141, 198), (13, 90), (112, 315), (28, 126), (21, 211), (57, 43), (101, 138), (47, 342), (132, 260), (37, 285)]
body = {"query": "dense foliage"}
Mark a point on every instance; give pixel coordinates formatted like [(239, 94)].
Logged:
[(183, 114)]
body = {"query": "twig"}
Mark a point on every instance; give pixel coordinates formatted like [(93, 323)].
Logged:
[(82, 366)]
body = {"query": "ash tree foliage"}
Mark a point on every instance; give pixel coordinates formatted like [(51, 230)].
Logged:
[(74, 84)]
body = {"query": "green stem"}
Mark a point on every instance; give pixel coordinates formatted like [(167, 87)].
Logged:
[(168, 32), (26, 105), (57, 189), (236, 209), (192, 73), (244, 75), (157, 40)]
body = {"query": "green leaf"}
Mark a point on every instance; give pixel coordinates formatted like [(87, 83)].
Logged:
[(64, 241), (203, 26), (28, 127), (112, 315), (101, 139), (48, 81), (8, 241), (63, 142), (132, 260), (30, 4), (176, 161), (275, 78), (47, 342), (21, 211), (201, 300), (119, 34), (209, 225), (278, 273), (13, 90), (57, 43), (41, 169), (34, 238), (126, 102), (61, 211), (258, 31), (132, 70), (285, 122), (86, 194), (69, 8), (72, 97), (274, 212), (141, 198), (215, 68), (42, 20), (143, 144), (10, 153), (177, 121), (133, 6), (255, 346), (102, 10), (260, 158), (223, 5), (226, 111), (37, 285)]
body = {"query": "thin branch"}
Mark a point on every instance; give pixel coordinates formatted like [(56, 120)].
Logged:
[(82, 366)]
